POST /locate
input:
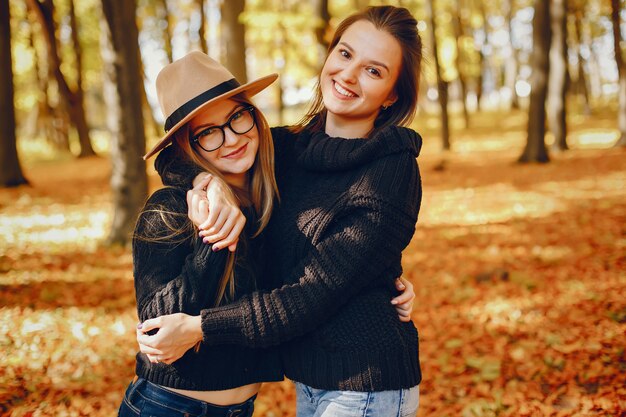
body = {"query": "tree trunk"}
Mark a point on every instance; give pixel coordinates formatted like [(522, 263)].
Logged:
[(324, 15), (49, 120), (123, 96), (168, 33), (557, 81), (234, 38), (73, 100), (535, 150), (442, 85), (204, 46), (10, 172), (581, 83), (458, 33), (484, 60), (82, 129), (621, 69), (147, 109), (511, 65)]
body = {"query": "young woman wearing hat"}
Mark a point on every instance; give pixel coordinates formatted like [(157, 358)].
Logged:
[(348, 209), (175, 271)]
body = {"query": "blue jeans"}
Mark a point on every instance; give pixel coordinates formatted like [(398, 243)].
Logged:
[(313, 402), (143, 398)]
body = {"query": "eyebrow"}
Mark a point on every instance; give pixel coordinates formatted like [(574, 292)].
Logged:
[(377, 63), (233, 111)]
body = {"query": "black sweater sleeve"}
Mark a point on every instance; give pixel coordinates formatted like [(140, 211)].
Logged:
[(173, 272), (360, 247), (176, 171)]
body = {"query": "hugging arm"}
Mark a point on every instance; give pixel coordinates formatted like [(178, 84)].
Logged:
[(224, 221), (173, 272)]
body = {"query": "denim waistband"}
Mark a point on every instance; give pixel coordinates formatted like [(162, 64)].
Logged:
[(186, 405)]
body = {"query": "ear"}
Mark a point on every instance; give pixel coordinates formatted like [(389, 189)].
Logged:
[(391, 99)]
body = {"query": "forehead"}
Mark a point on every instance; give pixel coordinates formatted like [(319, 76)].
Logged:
[(215, 114), (372, 43)]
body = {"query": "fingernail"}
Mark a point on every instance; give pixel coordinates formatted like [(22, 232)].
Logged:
[(139, 326), (402, 286), (394, 302), (215, 248)]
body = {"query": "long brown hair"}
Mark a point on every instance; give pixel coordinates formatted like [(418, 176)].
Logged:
[(260, 193), (399, 23)]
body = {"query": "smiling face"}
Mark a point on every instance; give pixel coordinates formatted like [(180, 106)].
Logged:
[(237, 155), (359, 77)]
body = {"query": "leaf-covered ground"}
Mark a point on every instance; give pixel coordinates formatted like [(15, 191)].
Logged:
[(520, 274)]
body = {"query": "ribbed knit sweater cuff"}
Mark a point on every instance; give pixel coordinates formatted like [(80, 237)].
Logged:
[(223, 325)]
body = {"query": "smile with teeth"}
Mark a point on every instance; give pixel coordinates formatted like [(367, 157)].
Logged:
[(342, 90)]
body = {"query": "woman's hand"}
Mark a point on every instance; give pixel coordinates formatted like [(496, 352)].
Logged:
[(404, 302), (216, 212), (177, 333), (197, 202)]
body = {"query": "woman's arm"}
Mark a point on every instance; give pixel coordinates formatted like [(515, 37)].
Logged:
[(225, 221), (173, 272)]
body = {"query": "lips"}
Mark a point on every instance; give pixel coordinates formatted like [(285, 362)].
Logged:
[(237, 153), (344, 92)]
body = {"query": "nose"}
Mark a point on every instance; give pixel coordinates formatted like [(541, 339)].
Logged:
[(349, 73), (230, 137)]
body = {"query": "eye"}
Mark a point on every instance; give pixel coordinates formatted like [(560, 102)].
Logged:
[(237, 115), (374, 71), (205, 132), (344, 53)]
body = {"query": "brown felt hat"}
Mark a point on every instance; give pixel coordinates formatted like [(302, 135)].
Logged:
[(192, 83)]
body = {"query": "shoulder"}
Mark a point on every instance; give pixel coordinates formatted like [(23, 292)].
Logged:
[(282, 134), (393, 179), (401, 140), (173, 198)]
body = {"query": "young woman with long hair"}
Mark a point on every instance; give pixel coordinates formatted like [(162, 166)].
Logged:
[(220, 130), (350, 195)]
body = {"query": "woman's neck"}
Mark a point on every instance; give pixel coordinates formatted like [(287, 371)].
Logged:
[(341, 127), (237, 180)]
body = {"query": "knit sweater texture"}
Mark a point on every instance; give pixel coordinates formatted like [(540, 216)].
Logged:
[(178, 273), (348, 209)]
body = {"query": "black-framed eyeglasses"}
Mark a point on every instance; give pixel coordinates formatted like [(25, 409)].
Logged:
[(212, 138)]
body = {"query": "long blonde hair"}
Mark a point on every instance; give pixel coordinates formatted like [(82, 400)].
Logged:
[(260, 193)]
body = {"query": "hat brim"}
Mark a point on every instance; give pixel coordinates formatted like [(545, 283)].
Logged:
[(252, 88)]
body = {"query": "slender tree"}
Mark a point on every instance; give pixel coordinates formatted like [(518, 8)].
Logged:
[(204, 45), (168, 33), (442, 85), (234, 38), (485, 67), (10, 170), (621, 69), (512, 64), (85, 144), (324, 16), (44, 11), (123, 96), (582, 83), (535, 150), (558, 77), (458, 33)]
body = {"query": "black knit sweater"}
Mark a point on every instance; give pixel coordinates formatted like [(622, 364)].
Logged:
[(177, 272), (348, 209)]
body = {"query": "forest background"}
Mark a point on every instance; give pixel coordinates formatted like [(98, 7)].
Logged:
[(518, 260)]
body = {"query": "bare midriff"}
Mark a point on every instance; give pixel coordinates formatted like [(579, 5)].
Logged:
[(225, 397)]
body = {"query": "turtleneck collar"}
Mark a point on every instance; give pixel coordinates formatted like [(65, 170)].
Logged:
[(320, 152)]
